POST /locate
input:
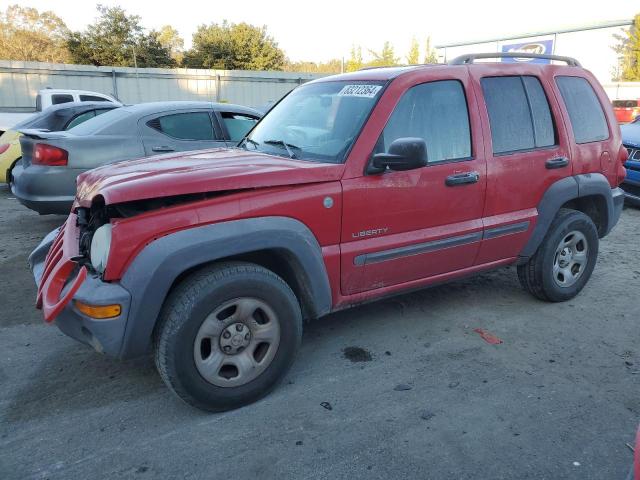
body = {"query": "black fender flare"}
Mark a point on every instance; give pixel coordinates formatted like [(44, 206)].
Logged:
[(155, 269), (565, 190)]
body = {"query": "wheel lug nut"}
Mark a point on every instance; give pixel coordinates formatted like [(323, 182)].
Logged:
[(246, 337), (239, 327), (226, 334), (240, 349), (226, 348)]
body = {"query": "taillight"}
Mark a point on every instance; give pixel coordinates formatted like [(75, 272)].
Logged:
[(4, 147), (49, 155)]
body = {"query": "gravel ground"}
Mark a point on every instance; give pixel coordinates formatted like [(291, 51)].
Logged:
[(412, 390)]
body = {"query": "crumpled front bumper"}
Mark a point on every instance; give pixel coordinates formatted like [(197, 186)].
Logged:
[(59, 287)]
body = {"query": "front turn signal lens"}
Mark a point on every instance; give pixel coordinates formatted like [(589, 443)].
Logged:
[(98, 311)]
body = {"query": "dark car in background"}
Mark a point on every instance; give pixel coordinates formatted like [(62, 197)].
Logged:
[(45, 181), (631, 141), (52, 119)]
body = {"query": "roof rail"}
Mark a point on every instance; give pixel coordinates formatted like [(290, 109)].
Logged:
[(469, 58)]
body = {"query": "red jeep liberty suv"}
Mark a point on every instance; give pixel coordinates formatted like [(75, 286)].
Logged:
[(354, 187)]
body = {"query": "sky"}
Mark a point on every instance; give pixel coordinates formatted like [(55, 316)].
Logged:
[(324, 29)]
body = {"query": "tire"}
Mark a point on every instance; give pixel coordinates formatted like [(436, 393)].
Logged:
[(9, 174), (554, 273), (201, 317)]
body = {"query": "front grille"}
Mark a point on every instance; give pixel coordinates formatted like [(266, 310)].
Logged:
[(634, 153), (53, 257)]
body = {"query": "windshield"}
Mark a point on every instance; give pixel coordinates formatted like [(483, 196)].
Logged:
[(317, 122)]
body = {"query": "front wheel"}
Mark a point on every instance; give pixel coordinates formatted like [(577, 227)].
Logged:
[(227, 335), (565, 259)]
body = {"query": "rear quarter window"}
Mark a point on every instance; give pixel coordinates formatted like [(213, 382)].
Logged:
[(585, 111)]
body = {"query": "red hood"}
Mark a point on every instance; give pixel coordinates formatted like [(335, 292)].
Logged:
[(196, 172)]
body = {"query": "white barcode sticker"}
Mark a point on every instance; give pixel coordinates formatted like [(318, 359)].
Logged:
[(368, 91)]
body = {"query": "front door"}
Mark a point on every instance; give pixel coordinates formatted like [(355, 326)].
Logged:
[(403, 226)]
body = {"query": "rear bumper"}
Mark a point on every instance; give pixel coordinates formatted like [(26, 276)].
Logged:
[(47, 190), (105, 336)]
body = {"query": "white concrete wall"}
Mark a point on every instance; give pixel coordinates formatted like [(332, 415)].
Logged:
[(20, 82)]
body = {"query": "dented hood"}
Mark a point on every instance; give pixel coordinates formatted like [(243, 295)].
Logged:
[(198, 172)]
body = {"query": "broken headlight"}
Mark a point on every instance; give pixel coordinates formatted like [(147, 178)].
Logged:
[(100, 246)]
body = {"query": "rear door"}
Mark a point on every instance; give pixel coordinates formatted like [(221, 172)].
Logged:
[(527, 151), (177, 131), (404, 226)]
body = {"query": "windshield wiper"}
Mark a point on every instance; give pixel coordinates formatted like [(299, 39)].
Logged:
[(252, 142), (287, 146)]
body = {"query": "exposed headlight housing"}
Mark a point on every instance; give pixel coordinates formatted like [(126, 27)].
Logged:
[(100, 246)]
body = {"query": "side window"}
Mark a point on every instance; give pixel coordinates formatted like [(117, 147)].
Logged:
[(237, 124), (436, 112), (83, 117), (519, 114), (185, 126), (92, 98), (585, 112), (58, 99)]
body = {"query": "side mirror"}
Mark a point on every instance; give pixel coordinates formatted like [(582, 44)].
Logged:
[(404, 154)]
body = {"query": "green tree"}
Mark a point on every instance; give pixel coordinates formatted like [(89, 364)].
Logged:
[(413, 58), (232, 46), (29, 35), (628, 50), (118, 39), (355, 60), (430, 54), (332, 66), (170, 39), (384, 58)]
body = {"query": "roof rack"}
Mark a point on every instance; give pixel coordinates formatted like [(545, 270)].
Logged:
[(469, 58)]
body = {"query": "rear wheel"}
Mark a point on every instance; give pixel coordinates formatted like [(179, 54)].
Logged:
[(227, 335), (9, 174), (565, 259)]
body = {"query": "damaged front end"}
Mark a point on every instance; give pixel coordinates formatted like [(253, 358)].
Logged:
[(71, 292)]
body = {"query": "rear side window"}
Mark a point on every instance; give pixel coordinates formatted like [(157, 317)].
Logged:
[(185, 126), (92, 98), (585, 112), (436, 112), (237, 124), (519, 114), (58, 99)]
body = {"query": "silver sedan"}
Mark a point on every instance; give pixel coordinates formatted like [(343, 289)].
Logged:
[(45, 179)]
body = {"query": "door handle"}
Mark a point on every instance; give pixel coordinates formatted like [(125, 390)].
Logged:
[(163, 148), (554, 163), (462, 179)]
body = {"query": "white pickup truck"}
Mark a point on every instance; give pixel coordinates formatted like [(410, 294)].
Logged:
[(48, 97)]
